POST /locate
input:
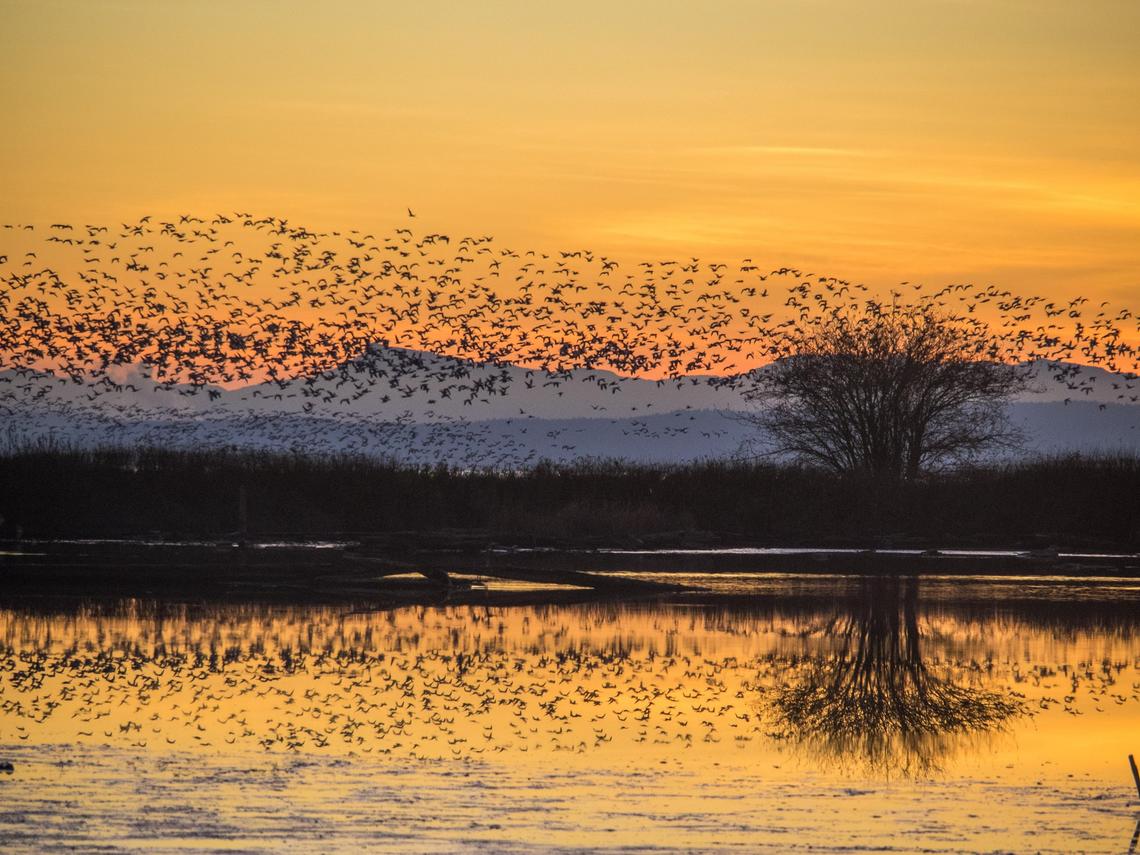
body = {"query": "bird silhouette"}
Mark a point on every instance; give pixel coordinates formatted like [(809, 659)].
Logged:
[(238, 325)]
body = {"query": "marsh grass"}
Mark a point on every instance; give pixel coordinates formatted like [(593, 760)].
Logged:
[(56, 491)]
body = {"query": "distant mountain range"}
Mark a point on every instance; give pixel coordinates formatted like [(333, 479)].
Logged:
[(426, 408)]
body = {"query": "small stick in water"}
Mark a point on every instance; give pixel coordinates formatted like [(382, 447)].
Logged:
[(1135, 773)]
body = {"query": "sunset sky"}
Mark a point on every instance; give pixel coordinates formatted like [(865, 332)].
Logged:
[(880, 141)]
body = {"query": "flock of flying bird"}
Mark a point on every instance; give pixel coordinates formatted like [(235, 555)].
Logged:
[(454, 683), (210, 307)]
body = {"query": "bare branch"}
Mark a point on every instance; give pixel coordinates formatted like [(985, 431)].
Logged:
[(887, 391)]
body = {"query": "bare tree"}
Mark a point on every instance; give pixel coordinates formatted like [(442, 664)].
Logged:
[(872, 700), (887, 391)]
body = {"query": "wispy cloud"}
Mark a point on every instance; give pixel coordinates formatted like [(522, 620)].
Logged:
[(792, 151)]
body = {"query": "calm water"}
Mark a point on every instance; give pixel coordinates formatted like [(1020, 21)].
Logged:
[(965, 714)]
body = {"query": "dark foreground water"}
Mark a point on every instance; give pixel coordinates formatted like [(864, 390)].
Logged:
[(793, 713)]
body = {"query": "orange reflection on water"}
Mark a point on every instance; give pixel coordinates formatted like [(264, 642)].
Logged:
[(576, 725), (629, 682)]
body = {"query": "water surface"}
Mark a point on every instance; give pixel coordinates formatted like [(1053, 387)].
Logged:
[(947, 714)]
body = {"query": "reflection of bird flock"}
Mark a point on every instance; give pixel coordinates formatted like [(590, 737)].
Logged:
[(453, 682), (339, 330)]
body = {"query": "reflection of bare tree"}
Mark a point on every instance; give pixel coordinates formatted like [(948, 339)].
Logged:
[(873, 701)]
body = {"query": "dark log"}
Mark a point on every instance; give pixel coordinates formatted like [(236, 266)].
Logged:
[(575, 578)]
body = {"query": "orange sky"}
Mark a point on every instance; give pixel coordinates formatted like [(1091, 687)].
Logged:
[(880, 141)]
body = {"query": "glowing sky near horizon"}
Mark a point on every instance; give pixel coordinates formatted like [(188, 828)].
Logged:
[(879, 141)]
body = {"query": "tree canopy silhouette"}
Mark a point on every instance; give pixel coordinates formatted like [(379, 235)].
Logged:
[(874, 700), (888, 391)]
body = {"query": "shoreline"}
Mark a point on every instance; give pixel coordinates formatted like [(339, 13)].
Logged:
[(363, 573)]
